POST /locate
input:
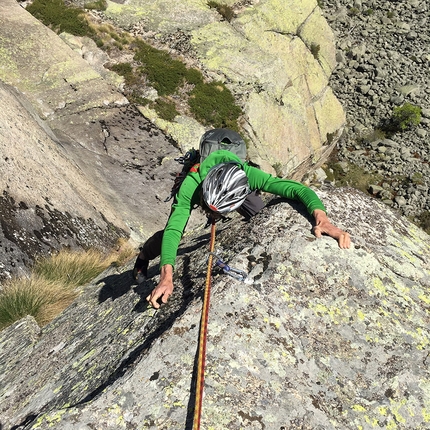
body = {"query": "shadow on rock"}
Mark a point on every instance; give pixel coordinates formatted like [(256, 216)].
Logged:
[(159, 323), (199, 242), (297, 206), (115, 286), (118, 285)]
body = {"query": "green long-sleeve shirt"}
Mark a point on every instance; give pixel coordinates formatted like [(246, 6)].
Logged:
[(189, 196)]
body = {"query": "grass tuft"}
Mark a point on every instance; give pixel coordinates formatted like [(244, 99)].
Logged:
[(71, 269), (54, 283), (35, 296)]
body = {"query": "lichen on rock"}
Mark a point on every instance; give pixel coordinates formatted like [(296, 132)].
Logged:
[(316, 337)]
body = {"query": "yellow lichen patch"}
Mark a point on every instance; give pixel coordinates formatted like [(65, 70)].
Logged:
[(383, 312), (335, 314), (407, 255), (395, 410), (423, 336), (379, 286), (426, 415), (360, 315), (281, 269), (274, 322), (372, 421), (391, 425), (382, 410), (51, 420), (276, 362), (84, 358), (107, 312), (372, 339), (283, 289), (425, 298), (359, 408), (403, 290), (116, 412)]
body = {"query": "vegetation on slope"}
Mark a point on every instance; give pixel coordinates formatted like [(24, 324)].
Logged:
[(180, 89), (54, 284)]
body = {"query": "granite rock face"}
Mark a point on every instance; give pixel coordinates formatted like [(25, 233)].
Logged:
[(316, 337), (275, 56), (121, 162), (46, 201), (80, 167)]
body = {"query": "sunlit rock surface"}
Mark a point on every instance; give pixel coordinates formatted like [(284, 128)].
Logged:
[(317, 337), (275, 56)]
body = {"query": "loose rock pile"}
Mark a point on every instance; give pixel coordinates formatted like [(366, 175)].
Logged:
[(384, 62)]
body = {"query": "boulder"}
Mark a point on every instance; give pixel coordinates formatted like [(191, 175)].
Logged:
[(316, 337)]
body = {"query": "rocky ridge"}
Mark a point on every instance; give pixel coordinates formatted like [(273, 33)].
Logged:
[(316, 338), (383, 56)]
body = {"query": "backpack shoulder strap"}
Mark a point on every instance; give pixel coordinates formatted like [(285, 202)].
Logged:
[(195, 168)]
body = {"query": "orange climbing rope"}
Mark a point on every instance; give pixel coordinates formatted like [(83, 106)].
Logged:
[(203, 336)]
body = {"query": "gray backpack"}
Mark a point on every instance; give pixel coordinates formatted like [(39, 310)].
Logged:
[(222, 138), (212, 140)]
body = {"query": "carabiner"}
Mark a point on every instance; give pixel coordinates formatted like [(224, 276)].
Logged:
[(240, 275)]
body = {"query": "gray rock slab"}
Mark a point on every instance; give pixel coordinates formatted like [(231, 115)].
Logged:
[(317, 337), (56, 79)]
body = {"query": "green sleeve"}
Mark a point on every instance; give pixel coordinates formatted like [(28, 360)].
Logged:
[(186, 198), (259, 180)]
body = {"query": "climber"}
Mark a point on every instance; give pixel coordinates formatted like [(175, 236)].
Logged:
[(222, 184)]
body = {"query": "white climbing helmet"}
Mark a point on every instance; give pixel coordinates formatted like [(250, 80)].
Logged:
[(225, 187)]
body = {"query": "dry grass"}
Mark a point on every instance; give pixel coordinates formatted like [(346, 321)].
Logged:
[(35, 296), (54, 283)]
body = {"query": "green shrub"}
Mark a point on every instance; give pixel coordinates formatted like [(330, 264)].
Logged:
[(96, 5), (164, 73), (193, 76), (213, 104), (55, 14), (353, 11), (417, 178), (135, 97), (424, 221), (406, 116), (224, 10), (165, 109), (126, 70), (315, 50)]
